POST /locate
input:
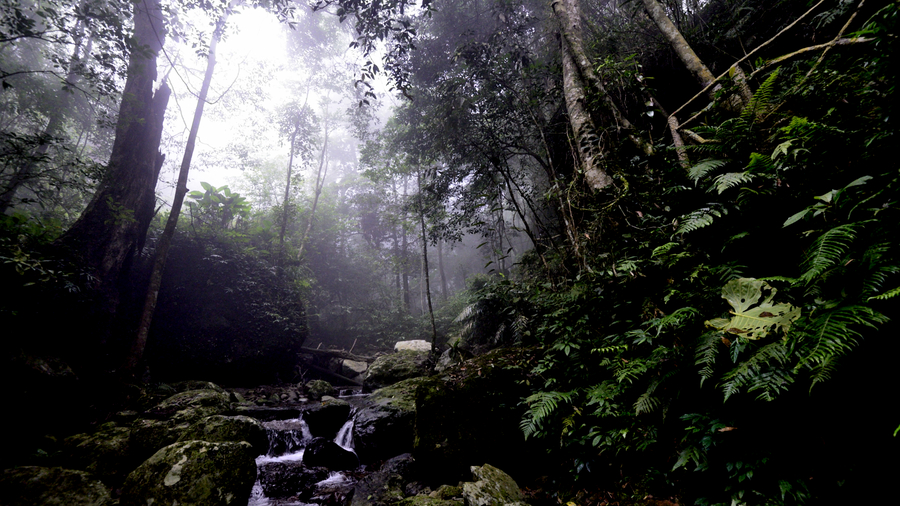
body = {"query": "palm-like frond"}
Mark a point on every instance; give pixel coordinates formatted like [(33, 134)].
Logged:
[(699, 171), (698, 219), (728, 180), (759, 372)]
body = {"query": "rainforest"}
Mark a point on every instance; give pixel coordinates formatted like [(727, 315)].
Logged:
[(449, 252)]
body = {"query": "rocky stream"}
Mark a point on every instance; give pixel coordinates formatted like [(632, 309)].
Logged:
[(419, 438)]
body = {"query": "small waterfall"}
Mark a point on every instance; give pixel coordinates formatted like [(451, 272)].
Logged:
[(287, 436), (344, 437)]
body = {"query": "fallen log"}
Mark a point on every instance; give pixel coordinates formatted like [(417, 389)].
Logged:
[(337, 354), (332, 375)]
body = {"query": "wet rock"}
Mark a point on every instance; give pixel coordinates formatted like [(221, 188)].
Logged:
[(389, 369), (492, 488), (386, 428), (447, 492), (193, 472), (219, 428), (326, 418), (290, 479), (316, 389), (384, 486), (106, 454), (46, 486), (321, 452)]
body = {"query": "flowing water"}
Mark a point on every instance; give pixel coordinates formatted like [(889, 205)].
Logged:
[(287, 441)]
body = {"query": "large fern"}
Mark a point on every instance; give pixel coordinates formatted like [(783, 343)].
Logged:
[(540, 406), (828, 250), (699, 219)]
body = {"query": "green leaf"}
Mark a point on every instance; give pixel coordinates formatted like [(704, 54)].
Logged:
[(795, 218), (754, 317)]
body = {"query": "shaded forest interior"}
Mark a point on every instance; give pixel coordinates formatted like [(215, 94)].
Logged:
[(685, 212)]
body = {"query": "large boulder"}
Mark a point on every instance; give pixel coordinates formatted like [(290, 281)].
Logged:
[(167, 421), (220, 428), (106, 454), (290, 479), (321, 452), (192, 405), (353, 368), (193, 472), (384, 486), (387, 427), (326, 418), (51, 486), (472, 414), (394, 367), (492, 487)]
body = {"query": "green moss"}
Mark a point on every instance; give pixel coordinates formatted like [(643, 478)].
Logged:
[(401, 394), (424, 500)]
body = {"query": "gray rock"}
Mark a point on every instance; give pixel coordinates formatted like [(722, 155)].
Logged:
[(353, 368), (493, 488), (288, 479), (414, 345), (51, 486), (321, 452), (192, 405), (389, 369), (219, 428), (193, 472)]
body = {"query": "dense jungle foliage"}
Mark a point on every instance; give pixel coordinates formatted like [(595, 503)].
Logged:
[(706, 270)]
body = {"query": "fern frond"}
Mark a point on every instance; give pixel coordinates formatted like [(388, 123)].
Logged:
[(761, 102), (827, 250), (540, 406), (728, 180), (706, 354), (832, 335), (646, 403), (699, 171), (758, 372), (886, 295), (698, 219)]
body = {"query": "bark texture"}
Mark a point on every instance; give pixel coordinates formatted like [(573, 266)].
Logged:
[(115, 222), (576, 67)]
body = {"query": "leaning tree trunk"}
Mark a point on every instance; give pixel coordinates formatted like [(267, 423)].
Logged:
[(690, 59), (165, 241), (107, 233), (425, 267)]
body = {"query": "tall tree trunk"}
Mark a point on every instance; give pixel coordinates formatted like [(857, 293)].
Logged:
[(404, 265), (320, 183), (425, 269), (588, 150), (106, 234), (578, 78), (165, 241), (440, 250), (287, 199)]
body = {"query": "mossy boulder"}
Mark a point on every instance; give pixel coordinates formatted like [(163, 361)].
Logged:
[(472, 414), (326, 418), (220, 428), (106, 454), (492, 487), (389, 369), (193, 472), (387, 427), (148, 436), (46, 486), (192, 405), (316, 389), (427, 500)]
